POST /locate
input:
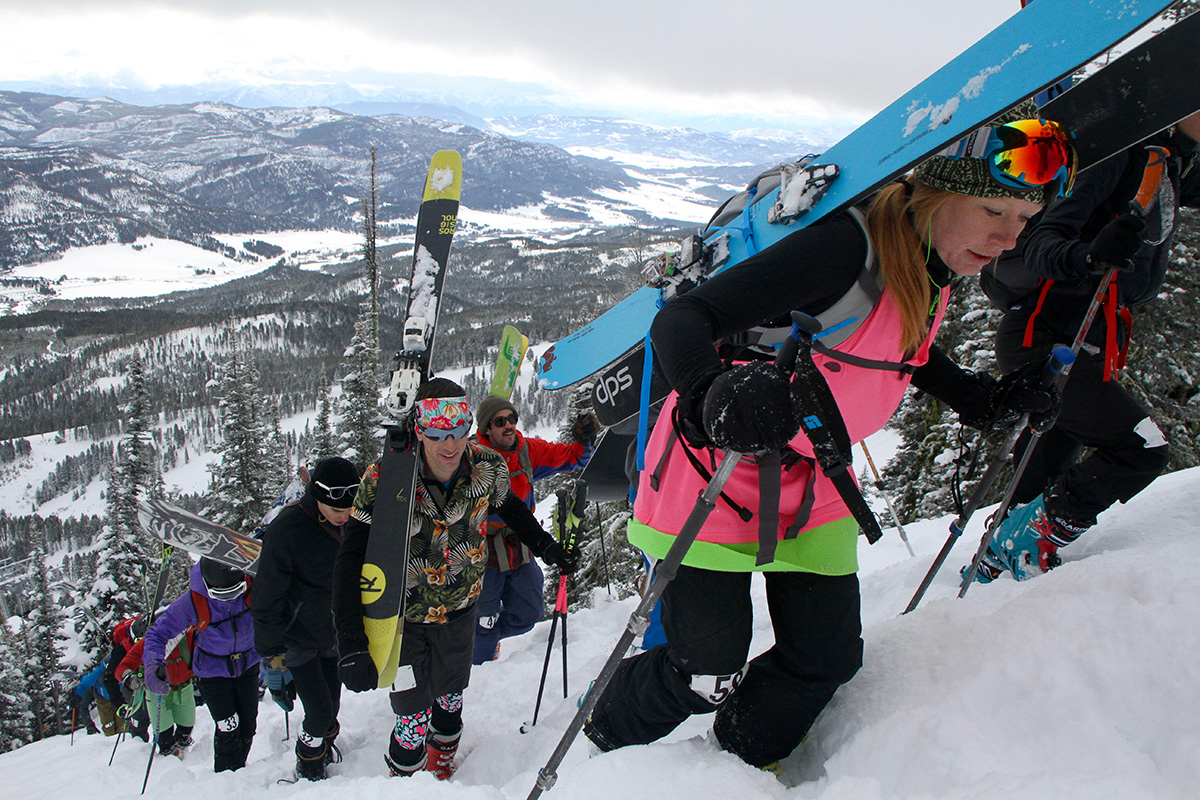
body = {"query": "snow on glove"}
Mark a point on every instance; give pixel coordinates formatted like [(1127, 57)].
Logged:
[(1117, 243), (155, 675), (357, 670), (749, 408)]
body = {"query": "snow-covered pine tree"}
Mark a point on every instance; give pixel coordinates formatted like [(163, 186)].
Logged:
[(43, 631), (324, 443), (16, 718), (126, 559), (244, 481), (359, 428)]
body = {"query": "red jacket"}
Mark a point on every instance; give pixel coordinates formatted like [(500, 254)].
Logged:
[(178, 661), (532, 460)]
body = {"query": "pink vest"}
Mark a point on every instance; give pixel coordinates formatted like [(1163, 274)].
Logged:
[(867, 399)]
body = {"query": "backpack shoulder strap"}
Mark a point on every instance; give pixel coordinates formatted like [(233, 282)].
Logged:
[(203, 616)]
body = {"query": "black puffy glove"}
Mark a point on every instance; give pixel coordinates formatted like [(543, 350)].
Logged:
[(1026, 390), (357, 669), (1117, 243), (566, 560), (1001, 402), (749, 408), (688, 418), (586, 428)]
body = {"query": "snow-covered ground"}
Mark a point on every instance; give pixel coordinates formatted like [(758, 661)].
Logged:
[(1083, 684)]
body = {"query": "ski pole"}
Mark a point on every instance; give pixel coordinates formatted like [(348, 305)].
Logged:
[(153, 744), (640, 618), (1056, 367), (122, 726), (578, 510), (72, 727), (881, 489), (561, 519), (287, 725)]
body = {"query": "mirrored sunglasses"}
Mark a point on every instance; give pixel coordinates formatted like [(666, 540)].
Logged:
[(442, 434)]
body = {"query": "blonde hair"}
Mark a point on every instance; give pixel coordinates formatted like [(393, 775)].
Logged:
[(900, 221)]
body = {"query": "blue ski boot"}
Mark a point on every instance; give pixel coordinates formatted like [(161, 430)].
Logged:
[(1024, 544)]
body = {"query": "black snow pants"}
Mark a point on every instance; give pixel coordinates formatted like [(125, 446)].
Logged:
[(233, 703), (708, 620)]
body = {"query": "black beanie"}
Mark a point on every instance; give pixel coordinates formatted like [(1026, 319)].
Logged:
[(333, 473)]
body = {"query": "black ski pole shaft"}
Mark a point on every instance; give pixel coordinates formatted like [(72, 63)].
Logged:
[(1058, 366), (154, 742), (640, 618), (563, 613), (545, 669), (883, 493), (122, 724)]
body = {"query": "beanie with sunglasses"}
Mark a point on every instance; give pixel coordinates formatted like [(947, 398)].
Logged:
[(490, 407), (334, 482)]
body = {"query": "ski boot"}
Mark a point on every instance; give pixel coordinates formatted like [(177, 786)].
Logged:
[(1026, 544), (310, 757), (439, 753)]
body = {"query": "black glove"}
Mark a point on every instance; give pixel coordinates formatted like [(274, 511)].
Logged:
[(1001, 402), (586, 428), (687, 417), (357, 669), (1026, 390), (749, 408), (1117, 243), (566, 560), (130, 685)]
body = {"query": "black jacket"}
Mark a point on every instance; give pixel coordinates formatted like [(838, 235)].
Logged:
[(293, 589), (1056, 243)]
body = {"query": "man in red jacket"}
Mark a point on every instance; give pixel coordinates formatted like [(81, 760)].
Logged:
[(511, 602)]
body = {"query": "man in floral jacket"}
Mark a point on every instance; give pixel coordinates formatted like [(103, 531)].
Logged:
[(458, 484)]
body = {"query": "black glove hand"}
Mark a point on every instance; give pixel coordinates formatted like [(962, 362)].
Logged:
[(566, 560), (357, 671), (1117, 243), (1025, 390), (749, 408), (687, 418), (586, 428), (130, 685)]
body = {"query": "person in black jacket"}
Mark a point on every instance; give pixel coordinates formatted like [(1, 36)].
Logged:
[(293, 616), (1066, 253)]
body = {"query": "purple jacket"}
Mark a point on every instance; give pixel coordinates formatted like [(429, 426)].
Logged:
[(224, 649)]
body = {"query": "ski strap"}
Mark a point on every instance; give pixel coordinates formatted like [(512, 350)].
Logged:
[(826, 430)]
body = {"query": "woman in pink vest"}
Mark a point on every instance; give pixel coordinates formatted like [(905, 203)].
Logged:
[(957, 212)]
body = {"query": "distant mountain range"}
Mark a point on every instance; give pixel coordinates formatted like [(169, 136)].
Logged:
[(85, 171)]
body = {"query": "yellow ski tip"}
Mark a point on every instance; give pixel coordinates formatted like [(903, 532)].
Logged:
[(445, 176)]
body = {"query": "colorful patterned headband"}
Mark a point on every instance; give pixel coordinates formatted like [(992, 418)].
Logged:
[(443, 413)]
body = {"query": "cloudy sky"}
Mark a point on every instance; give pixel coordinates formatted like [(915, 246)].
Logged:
[(812, 60)]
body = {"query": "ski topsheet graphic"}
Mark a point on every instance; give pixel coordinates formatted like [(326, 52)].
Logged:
[(197, 535), (1035, 48), (386, 562), (513, 345)]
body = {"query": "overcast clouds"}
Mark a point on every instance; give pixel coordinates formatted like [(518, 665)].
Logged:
[(813, 58)]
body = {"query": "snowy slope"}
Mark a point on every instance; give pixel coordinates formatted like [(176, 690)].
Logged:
[(1081, 685)]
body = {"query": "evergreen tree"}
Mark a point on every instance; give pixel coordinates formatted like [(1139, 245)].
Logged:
[(370, 205), (359, 427), (324, 443), (245, 479), (44, 655), (126, 554), (16, 718)]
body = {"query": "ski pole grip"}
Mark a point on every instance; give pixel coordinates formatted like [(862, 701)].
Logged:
[(1061, 357)]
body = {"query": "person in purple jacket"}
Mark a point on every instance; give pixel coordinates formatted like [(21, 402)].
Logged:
[(223, 657)]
